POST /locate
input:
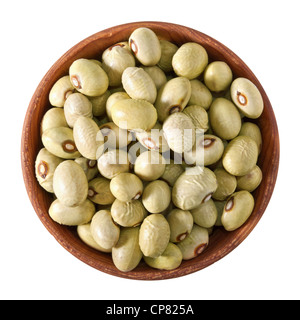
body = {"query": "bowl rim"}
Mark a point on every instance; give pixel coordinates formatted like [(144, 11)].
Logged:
[(85, 255)]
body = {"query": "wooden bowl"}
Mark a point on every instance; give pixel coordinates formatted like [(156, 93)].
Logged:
[(221, 242)]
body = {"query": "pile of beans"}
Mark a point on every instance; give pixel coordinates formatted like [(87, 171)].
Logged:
[(149, 148)]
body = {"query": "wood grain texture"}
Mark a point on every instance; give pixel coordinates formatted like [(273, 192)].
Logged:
[(221, 242)]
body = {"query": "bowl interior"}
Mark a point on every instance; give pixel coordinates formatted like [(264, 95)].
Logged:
[(221, 242)]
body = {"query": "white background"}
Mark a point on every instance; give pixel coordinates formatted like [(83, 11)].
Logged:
[(34, 34)]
